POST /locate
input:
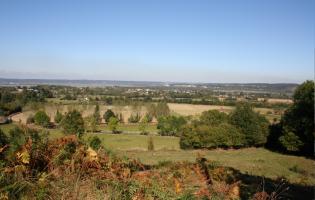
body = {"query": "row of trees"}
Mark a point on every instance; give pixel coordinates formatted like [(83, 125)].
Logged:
[(241, 128)]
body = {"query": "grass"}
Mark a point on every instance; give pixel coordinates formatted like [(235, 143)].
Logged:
[(253, 161), (127, 142), (130, 127)]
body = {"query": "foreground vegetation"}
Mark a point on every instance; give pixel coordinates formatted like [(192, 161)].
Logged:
[(35, 167)]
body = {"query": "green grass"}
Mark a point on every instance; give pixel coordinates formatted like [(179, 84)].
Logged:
[(127, 142), (254, 161), (130, 127)]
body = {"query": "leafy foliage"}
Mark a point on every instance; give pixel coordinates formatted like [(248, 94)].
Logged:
[(73, 123), (95, 142), (58, 117), (214, 129), (253, 125), (113, 124), (299, 120), (134, 118), (295, 131), (42, 119), (170, 125), (108, 114)]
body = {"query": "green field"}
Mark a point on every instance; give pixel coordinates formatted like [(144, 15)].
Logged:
[(253, 161), (130, 128)]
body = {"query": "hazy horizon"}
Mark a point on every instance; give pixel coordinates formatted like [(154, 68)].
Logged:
[(158, 41)]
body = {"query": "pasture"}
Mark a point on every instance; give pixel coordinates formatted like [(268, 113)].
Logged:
[(252, 161)]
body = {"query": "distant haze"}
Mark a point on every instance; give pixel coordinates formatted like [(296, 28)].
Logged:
[(215, 41)]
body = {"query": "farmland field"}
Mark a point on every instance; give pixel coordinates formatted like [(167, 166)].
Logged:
[(126, 111)]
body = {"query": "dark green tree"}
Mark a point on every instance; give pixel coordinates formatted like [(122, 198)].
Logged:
[(298, 121), (42, 119), (96, 114), (253, 125), (108, 114), (73, 123), (170, 125)]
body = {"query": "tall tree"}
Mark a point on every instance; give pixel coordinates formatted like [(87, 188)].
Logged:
[(253, 125), (298, 121)]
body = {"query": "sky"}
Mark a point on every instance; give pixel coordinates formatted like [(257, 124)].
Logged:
[(213, 41)]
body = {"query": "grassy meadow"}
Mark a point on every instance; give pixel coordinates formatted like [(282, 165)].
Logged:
[(252, 161)]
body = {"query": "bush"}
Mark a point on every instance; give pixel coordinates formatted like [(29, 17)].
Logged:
[(213, 118), (108, 114), (143, 126), (134, 118), (73, 123), (203, 136), (58, 117), (113, 124), (170, 125), (150, 144), (290, 141), (95, 142), (42, 119)]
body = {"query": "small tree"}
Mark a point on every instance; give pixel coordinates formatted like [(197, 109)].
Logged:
[(97, 115), (95, 142), (113, 124), (148, 117), (134, 118), (290, 141), (42, 119), (58, 117), (91, 123), (162, 110), (73, 123), (108, 114), (150, 144), (143, 126), (170, 125)]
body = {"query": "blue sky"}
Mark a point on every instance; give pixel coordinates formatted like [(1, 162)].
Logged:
[(158, 40)]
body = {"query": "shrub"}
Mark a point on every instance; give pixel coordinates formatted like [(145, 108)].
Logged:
[(58, 117), (113, 124), (290, 141), (213, 117), (95, 142), (150, 144), (42, 119), (134, 118), (96, 114), (143, 126), (73, 123), (170, 125), (203, 136), (108, 114)]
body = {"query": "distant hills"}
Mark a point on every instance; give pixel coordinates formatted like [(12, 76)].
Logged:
[(257, 87)]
